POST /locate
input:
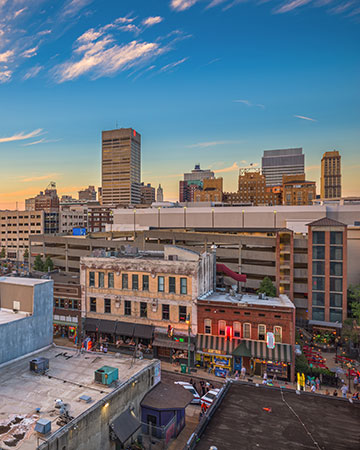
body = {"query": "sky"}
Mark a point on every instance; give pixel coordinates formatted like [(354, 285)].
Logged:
[(213, 82)]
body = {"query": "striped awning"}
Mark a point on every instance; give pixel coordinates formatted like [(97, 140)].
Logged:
[(257, 349)]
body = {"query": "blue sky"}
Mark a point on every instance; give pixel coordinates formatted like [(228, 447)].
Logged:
[(214, 82)]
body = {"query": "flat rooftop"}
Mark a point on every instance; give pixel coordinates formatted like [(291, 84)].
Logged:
[(243, 299), (332, 422), (22, 281), (69, 377), (7, 316)]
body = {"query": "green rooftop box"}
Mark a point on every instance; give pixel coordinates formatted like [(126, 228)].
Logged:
[(106, 375)]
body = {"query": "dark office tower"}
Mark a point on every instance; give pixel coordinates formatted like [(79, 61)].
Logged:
[(276, 163), (331, 175), (121, 167)]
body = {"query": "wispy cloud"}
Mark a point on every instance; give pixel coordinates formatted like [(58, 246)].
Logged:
[(249, 103), (289, 6), (5, 75), (172, 65), (150, 21), (4, 57), (29, 53), (314, 167), (72, 7), (48, 176), (41, 141), (232, 168), (22, 136), (214, 3), (210, 144), (182, 5), (305, 118), (341, 8), (18, 12), (33, 72)]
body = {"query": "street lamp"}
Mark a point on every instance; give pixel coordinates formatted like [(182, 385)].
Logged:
[(189, 330), (134, 220), (243, 217), (212, 218), (184, 216), (159, 217), (274, 219)]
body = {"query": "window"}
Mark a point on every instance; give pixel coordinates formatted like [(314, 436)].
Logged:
[(161, 284), (335, 315), (318, 252), (91, 279), (336, 237), (336, 253), (183, 285), (61, 303), (143, 309), (318, 314), (92, 304), (127, 308), (262, 332), (318, 267), (125, 281), (221, 326), (56, 303), (318, 298), (318, 283), (165, 312), (278, 334), (172, 285), (110, 280), (247, 331), (336, 300), (207, 326), (101, 279), (135, 282), (145, 282), (107, 305), (318, 237), (336, 284), (182, 313), (73, 304), (236, 329), (336, 268)]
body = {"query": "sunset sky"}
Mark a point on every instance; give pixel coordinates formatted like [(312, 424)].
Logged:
[(213, 82)]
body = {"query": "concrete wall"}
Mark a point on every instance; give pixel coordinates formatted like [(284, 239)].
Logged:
[(11, 292), (90, 430), (26, 335)]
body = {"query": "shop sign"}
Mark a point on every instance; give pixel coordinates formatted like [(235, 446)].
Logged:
[(270, 340), (210, 350)]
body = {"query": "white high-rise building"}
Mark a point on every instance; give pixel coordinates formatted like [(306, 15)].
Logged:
[(276, 163)]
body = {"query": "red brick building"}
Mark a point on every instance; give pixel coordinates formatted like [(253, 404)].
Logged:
[(233, 332)]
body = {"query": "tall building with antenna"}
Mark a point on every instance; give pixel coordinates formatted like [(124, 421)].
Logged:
[(121, 167)]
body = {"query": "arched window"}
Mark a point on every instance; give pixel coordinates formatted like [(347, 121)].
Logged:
[(222, 326), (262, 332), (247, 331), (237, 329), (278, 334), (207, 326)]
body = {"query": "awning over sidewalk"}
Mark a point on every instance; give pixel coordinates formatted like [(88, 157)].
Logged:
[(91, 325), (244, 347), (168, 343), (143, 331), (125, 426), (100, 325)]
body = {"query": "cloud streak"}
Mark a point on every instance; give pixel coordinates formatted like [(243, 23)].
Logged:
[(150, 21), (172, 65), (48, 176), (210, 144), (305, 118), (22, 136), (289, 6), (248, 103), (182, 5)]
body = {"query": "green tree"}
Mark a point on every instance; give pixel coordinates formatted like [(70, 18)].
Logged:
[(267, 288), (26, 253), (39, 264), (3, 253), (49, 265), (355, 309)]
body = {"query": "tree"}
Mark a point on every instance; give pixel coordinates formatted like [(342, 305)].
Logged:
[(49, 265), (267, 288), (39, 264), (3, 253), (26, 253), (355, 309)]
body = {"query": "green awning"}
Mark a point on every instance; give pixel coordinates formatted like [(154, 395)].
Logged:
[(241, 350)]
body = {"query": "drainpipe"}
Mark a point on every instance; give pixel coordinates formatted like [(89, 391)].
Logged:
[(213, 250)]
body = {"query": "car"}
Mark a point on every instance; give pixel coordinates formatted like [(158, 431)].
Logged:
[(189, 387), (210, 396)]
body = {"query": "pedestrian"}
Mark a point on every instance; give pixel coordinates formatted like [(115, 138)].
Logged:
[(191, 382), (237, 375), (317, 382), (356, 382), (243, 372), (344, 391), (327, 392), (203, 391), (313, 388), (335, 394)]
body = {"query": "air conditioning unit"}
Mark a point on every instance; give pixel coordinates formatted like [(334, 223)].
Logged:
[(106, 375), (16, 306), (39, 365)]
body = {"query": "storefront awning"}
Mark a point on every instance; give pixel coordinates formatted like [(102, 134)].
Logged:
[(125, 426), (124, 329), (168, 343), (143, 331), (244, 347), (107, 326), (91, 325)]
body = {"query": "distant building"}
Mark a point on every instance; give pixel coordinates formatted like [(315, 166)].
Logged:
[(48, 201), (330, 175), (212, 191), (192, 181), (98, 217), (87, 193), (147, 194), (72, 216), (298, 191), (276, 163), (30, 204), (121, 167), (26, 314), (159, 194)]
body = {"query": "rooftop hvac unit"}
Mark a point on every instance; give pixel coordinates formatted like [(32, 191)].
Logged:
[(39, 365), (43, 426), (106, 375)]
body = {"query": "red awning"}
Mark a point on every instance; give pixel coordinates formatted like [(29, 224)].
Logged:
[(235, 276)]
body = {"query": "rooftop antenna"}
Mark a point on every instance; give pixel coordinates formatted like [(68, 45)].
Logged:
[(116, 125)]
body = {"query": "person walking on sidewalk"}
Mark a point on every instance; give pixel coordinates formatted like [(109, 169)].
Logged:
[(344, 391), (243, 373)]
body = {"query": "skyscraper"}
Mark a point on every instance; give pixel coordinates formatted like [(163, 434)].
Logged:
[(192, 181), (331, 175), (276, 163), (121, 167), (160, 194)]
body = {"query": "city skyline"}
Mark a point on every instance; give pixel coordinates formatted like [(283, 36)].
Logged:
[(70, 71)]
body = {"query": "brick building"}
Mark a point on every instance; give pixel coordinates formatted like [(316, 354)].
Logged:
[(147, 194), (98, 217), (212, 191), (232, 333), (327, 273), (298, 191), (135, 297), (330, 181)]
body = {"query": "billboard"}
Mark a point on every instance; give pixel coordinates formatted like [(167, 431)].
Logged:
[(79, 231)]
